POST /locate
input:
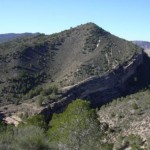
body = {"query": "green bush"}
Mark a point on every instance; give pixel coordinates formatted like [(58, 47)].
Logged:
[(35, 92), (134, 105), (47, 91), (76, 128), (40, 100), (30, 138), (134, 141), (53, 97), (131, 141), (148, 143), (37, 120), (51, 89), (6, 139), (107, 146), (3, 126)]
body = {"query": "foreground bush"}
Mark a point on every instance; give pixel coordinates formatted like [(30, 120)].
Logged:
[(75, 129), (6, 139), (37, 120), (30, 138), (24, 138)]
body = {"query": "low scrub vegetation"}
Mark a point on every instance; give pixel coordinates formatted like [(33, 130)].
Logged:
[(80, 128), (76, 128)]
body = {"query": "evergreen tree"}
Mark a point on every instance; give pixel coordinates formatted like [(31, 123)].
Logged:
[(77, 128)]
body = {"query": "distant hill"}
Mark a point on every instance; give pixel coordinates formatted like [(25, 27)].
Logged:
[(11, 36), (65, 59), (143, 44)]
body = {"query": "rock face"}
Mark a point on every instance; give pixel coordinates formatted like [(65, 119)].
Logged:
[(98, 90), (102, 89)]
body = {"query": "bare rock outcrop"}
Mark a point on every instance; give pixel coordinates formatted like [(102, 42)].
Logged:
[(98, 90)]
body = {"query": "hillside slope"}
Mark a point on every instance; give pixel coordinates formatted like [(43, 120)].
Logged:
[(128, 117), (63, 59)]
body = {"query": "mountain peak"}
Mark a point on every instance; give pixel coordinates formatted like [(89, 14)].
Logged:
[(89, 25)]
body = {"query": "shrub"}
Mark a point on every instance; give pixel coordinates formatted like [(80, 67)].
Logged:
[(119, 144), (6, 136), (17, 102), (112, 115), (107, 146), (30, 138), (134, 105), (51, 89), (134, 141), (6, 139), (3, 126), (131, 141), (148, 143), (120, 115), (53, 97), (46, 92), (40, 100), (37, 120), (35, 92)]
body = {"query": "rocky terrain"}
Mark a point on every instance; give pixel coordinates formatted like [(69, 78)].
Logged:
[(128, 116), (49, 71)]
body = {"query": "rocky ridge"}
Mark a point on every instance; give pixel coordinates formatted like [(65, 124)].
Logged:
[(85, 62)]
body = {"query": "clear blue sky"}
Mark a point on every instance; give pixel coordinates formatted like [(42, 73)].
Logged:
[(128, 19)]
